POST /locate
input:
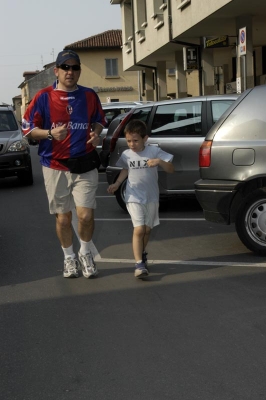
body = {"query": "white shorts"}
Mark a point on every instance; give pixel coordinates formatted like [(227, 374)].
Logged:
[(66, 190), (144, 214)]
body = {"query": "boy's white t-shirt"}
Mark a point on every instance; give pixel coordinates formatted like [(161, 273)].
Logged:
[(142, 184)]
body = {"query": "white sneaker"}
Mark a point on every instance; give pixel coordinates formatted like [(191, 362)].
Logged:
[(88, 265), (71, 268), (141, 270)]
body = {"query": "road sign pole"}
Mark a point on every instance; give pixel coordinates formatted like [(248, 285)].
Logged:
[(244, 72)]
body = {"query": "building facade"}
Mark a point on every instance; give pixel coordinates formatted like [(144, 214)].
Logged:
[(190, 47), (102, 67), (102, 70), (33, 82)]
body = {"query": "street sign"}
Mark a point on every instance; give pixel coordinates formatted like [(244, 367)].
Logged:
[(190, 58), (242, 42), (214, 42)]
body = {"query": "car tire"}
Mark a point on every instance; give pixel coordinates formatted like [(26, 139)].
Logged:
[(250, 222), (26, 177), (120, 195)]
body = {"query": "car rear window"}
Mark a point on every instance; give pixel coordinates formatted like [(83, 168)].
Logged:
[(177, 119), (112, 113), (7, 121), (218, 107), (143, 114)]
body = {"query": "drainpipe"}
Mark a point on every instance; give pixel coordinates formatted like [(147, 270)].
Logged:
[(169, 8)]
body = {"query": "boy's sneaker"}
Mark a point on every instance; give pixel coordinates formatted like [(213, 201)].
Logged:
[(88, 265), (141, 270), (71, 268), (145, 259)]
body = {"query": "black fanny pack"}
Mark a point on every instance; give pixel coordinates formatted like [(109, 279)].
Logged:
[(82, 164)]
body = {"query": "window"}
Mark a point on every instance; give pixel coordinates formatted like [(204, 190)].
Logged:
[(143, 114), (141, 14), (111, 66), (112, 113), (158, 5), (218, 108), (171, 71), (7, 121), (176, 119), (128, 28)]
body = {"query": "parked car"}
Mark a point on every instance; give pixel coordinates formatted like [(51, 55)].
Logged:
[(113, 110), (178, 127), (232, 188), (15, 159)]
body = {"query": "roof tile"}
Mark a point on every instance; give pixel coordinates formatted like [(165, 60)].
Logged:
[(112, 38)]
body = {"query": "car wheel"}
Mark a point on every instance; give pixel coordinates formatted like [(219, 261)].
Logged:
[(26, 177), (120, 195), (250, 222)]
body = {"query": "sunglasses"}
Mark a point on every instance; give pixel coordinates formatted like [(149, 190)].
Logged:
[(67, 67)]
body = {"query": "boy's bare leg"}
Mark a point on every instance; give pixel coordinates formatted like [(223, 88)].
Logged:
[(146, 237), (137, 242)]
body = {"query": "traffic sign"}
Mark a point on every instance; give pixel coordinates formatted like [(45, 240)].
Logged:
[(242, 41)]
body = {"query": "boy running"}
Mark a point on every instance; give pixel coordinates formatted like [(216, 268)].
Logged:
[(140, 165)]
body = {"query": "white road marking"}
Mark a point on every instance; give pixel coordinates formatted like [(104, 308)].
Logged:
[(98, 257), (182, 262), (161, 219)]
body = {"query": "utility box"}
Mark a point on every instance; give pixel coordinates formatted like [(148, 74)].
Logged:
[(230, 87)]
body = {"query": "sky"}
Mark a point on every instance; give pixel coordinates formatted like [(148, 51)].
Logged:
[(33, 33)]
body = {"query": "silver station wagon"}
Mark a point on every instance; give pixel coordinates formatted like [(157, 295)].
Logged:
[(232, 161), (179, 127)]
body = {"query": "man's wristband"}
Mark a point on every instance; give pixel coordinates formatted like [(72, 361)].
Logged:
[(49, 135)]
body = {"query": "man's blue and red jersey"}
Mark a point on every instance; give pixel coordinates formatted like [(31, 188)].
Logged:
[(78, 110)]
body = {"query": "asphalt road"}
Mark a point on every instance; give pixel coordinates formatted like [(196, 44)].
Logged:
[(194, 329)]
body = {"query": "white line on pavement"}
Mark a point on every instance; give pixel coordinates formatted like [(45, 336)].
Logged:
[(98, 257), (161, 219), (181, 262)]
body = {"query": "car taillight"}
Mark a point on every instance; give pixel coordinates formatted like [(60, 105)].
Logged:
[(118, 132), (205, 154)]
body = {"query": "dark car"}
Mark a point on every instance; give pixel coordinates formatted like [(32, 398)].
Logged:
[(179, 128), (15, 159), (232, 188)]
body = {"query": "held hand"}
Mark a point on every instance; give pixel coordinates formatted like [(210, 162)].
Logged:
[(94, 140), (113, 188), (59, 133)]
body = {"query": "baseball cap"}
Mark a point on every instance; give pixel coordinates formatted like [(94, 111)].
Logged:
[(65, 55)]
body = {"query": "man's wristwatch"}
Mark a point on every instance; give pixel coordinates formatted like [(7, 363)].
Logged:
[(49, 135)]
